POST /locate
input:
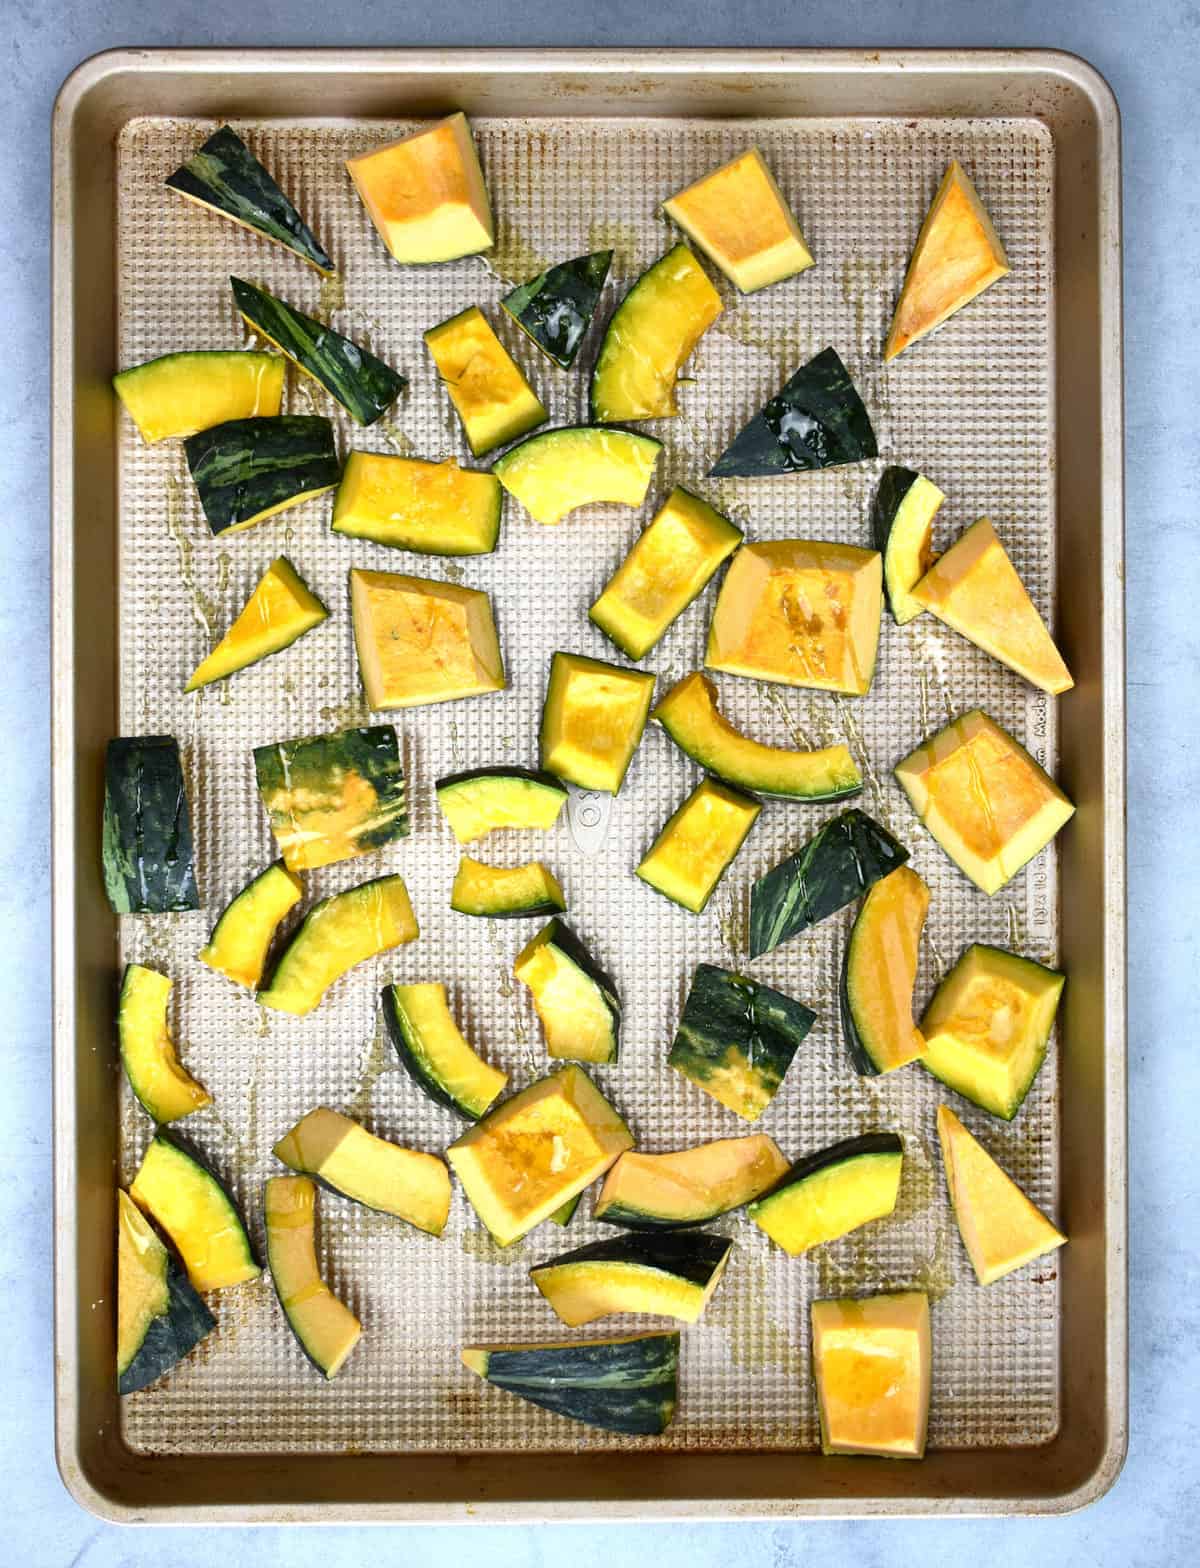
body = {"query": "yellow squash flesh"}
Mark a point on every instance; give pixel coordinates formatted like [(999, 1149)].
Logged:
[(242, 937), (327, 1330), (409, 504), (698, 844), (688, 1186), (163, 1085), (180, 394), (380, 1175), (421, 641), (739, 219), (872, 1361), (881, 968), (578, 465), (281, 608), (592, 720), (494, 401), (190, 1205), (425, 193)]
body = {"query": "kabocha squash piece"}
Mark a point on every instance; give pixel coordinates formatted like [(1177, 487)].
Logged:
[(673, 1276), (247, 470), (1001, 1230), (430, 508), (343, 1156), (872, 1360), (500, 893), (983, 797), (830, 1193), (179, 394), (815, 420), (364, 386), (425, 193), (434, 1053), (836, 866), (736, 1039), (167, 1092), (739, 219), (178, 1191), (486, 800), (332, 797), (555, 309), (619, 1385), (668, 567), (420, 641), (577, 465), (146, 838), (160, 1318), (975, 589), (281, 609), (879, 973), (652, 332), (690, 716), (902, 531), (226, 177), (987, 1028), (486, 385), (243, 935), (958, 254), (534, 1152), (327, 1331), (801, 613), (566, 1214), (341, 931), (699, 843), (592, 720), (690, 1186), (575, 999)]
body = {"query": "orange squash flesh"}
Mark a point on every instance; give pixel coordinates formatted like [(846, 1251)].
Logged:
[(881, 970), (421, 641), (738, 217), (425, 193), (873, 1360)]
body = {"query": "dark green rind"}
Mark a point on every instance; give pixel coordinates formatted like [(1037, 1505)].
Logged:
[(894, 485), (730, 1018), (511, 911), (245, 467), (562, 937), (816, 420), (556, 308), (413, 1063), (190, 1151), (629, 1386), (372, 752), (224, 174), (170, 1337), (857, 1049), (531, 775), (837, 865), (364, 386), (839, 1153), (146, 840), (694, 1256)]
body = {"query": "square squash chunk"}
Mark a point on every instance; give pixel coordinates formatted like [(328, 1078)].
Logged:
[(425, 193), (739, 219), (872, 1361), (491, 395), (421, 641), (592, 720)]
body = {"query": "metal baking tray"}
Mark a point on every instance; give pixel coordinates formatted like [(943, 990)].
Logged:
[(1015, 410)]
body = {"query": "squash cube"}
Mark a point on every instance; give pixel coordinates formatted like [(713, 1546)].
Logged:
[(425, 193), (494, 401), (421, 641), (872, 1362), (698, 844), (740, 220), (592, 720)]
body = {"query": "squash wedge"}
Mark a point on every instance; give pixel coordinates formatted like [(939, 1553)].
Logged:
[(576, 465), (619, 1385), (555, 309), (879, 973), (698, 844), (425, 193), (179, 394), (902, 515), (816, 420), (738, 217), (166, 1090), (593, 718), (409, 504), (688, 1186), (830, 1193), (242, 937), (489, 391), (435, 1054), (872, 1360), (486, 800), (421, 641), (247, 470), (281, 609), (342, 1155), (327, 1331), (671, 1275), (505, 893), (160, 1318), (177, 1189), (575, 999)]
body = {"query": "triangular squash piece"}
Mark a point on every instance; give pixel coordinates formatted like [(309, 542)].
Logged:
[(958, 254), (1000, 1228), (815, 420), (975, 589), (280, 609)]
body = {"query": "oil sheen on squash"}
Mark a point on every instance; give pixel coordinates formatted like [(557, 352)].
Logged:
[(555, 309), (421, 641), (688, 1186), (575, 999), (619, 1385), (592, 720), (160, 1318), (179, 394), (425, 193), (166, 1090), (247, 470), (327, 1330), (178, 1190), (486, 800), (281, 609), (699, 843), (146, 835), (242, 937), (880, 972), (872, 1360), (674, 1276), (816, 420), (505, 893), (830, 1193), (430, 508), (562, 470), (486, 385), (738, 217), (434, 1052)]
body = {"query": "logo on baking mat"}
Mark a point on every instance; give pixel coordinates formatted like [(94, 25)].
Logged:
[(589, 812)]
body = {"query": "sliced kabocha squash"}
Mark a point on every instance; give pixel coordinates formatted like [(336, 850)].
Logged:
[(575, 999), (830, 1193), (534, 1152), (902, 530), (160, 1318), (674, 1276), (736, 1039), (983, 797), (429, 508), (342, 1155), (739, 219), (873, 1364), (226, 177), (332, 797), (690, 1186), (577, 465), (958, 254), (502, 893), (668, 567), (179, 394), (987, 1028), (487, 799), (592, 720), (834, 868), (879, 973), (281, 609), (176, 1188), (421, 641), (247, 470), (243, 935), (555, 309), (146, 839), (167, 1092), (652, 332), (800, 612), (434, 1053), (619, 1385), (699, 843), (566, 1214), (326, 1329), (425, 193), (815, 420), (486, 385), (341, 931)]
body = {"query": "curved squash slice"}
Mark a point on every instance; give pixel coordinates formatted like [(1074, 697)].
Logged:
[(486, 799), (592, 720), (619, 1385), (673, 1276), (486, 385), (576, 1000), (691, 1186), (500, 893), (699, 843), (281, 609), (160, 1318), (409, 504), (326, 1330), (577, 465), (155, 1075), (873, 1364), (902, 530), (146, 836), (343, 1156), (555, 309), (177, 1189), (425, 193), (179, 394), (879, 973), (830, 1193), (247, 470), (435, 1054), (242, 937), (815, 420), (739, 219), (421, 641)]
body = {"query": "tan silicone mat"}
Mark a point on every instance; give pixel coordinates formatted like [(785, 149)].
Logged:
[(971, 407)]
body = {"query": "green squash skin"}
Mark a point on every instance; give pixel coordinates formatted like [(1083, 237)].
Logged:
[(894, 485), (730, 1021), (320, 761), (414, 1063), (246, 467), (364, 386), (864, 1144), (501, 775), (556, 308), (861, 1060), (226, 175), (816, 420), (837, 866), (629, 1386), (562, 937), (688, 1255), (189, 1150), (173, 1335), (566, 1214), (146, 838)]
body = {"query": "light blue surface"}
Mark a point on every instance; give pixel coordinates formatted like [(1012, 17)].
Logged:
[(1150, 52)]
